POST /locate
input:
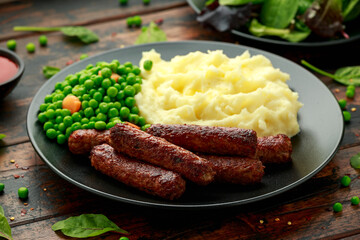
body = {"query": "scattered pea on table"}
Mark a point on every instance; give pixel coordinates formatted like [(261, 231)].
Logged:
[(43, 40), (30, 47), (11, 44)]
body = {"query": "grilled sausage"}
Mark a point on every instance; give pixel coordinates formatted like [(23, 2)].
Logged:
[(206, 139), (145, 177), (143, 146), (83, 140), (274, 149), (236, 170)]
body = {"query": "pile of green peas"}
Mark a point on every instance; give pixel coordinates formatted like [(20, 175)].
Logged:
[(104, 101)]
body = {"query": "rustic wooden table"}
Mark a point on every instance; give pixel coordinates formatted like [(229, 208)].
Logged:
[(304, 212)]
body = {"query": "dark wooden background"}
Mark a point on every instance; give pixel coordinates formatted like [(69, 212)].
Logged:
[(304, 212)]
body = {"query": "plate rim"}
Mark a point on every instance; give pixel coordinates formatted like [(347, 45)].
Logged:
[(174, 205)]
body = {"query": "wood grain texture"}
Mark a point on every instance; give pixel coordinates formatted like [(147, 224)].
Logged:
[(308, 207)]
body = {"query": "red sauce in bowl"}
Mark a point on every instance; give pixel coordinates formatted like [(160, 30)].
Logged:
[(8, 69)]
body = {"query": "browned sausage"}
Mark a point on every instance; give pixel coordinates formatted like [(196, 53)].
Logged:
[(145, 177), (206, 139), (274, 149), (236, 170), (83, 140), (143, 146)]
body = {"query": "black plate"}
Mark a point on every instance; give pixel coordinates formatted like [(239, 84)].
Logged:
[(320, 120), (352, 29)]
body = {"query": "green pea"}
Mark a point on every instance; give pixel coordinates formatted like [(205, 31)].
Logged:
[(48, 99), (345, 181), (43, 40), (106, 72), (30, 47), (50, 113), (141, 121), (131, 79), (58, 85), (130, 102), (11, 44), (123, 85), (123, 2), (93, 103), (2, 187), (137, 21), (110, 125), (100, 125), (130, 21), (83, 56), (57, 113), (350, 93), (136, 71), (337, 207), (65, 112), (124, 238), (121, 70), (42, 117), (88, 112), (146, 2), (83, 78), (104, 107), (134, 110), (89, 66), (145, 127), (342, 103), (107, 99), (89, 84), (56, 127), (59, 119), (148, 65), (68, 132), (101, 117), (347, 116), (129, 91), (102, 91), (51, 133), (117, 86), (124, 113), (117, 105), (23, 193), (128, 65), (98, 96), (121, 80), (138, 80), (113, 67), (112, 91), (62, 127), (91, 93), (73, 80), (355, 200), (61, 139), (106, 83), (68, 121), (120, 95), (97, 111), (84, 121), (113, 112), (76, 126), (43, 107), (351, 87), (67, 90), (137, 88), (91, 125), (76, 117), (85, 126), (84, 104), (133, 118), (48, 125)]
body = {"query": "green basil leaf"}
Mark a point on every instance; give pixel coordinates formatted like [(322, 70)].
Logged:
[(84, 34), (150, 34), (86, 225), (2, 136), (278, 13), (303, 6), (260, 30), (239, 2), (49, 71), (348, 75), (355, 161), (351, 10), (5, 230)]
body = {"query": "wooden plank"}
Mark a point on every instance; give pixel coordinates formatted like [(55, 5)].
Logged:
[(307, 207), (67, 12)]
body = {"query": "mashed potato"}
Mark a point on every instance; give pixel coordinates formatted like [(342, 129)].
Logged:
[(212, 89)]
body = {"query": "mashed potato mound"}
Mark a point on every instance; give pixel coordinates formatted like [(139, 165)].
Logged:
[(212, 89)]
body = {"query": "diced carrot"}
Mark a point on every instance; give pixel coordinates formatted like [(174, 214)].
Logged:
[(115, 76), (99, 73), (72, 103)]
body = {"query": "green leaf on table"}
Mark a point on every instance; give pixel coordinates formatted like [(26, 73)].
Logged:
[(2, 136), (345, 75), (84, 34), (355, 161), (50, 71), (5, 230), (87, 225), (278, 13), (259, 30), (151, 33)]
